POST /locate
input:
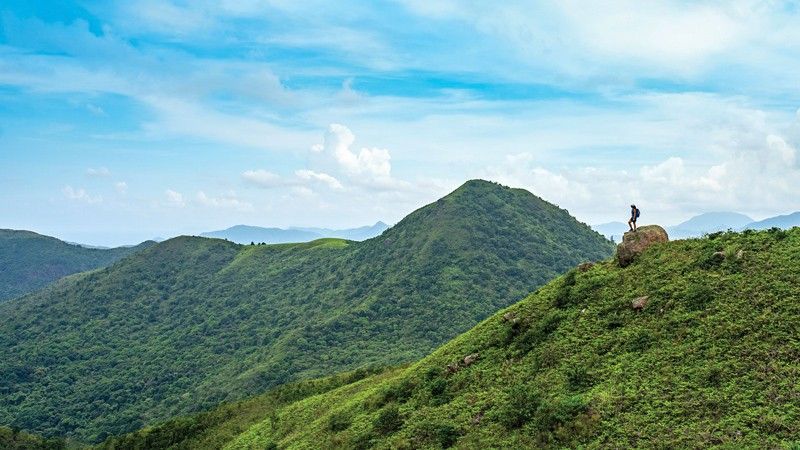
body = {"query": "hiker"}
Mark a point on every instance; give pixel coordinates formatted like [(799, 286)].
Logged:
[(634, 215)]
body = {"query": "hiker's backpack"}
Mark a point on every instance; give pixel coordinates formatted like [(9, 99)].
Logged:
[(638, 211)]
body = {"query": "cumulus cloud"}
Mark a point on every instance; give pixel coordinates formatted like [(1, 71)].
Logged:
[(370, 162), (310, 175), (81, 195), (98, 172), (174, 198)]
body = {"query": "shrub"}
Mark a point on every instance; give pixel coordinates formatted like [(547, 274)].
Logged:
[(521, 406), (338, 422), (388, 420), (578, 377)]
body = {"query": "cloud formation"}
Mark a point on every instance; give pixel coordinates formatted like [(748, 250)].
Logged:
[(80, 195)]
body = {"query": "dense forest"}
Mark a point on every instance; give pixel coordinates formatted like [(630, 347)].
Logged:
[(30, 261), (694, 345), (192, 322)]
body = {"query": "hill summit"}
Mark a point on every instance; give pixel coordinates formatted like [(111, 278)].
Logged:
[(192, 322)]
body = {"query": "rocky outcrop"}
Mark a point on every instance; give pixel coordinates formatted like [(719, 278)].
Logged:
[(635, 242), (639, 303)]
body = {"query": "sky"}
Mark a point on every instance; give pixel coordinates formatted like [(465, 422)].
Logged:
[(124, 121)]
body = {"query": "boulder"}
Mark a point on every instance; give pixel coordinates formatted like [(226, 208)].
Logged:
[(635, 242), (583, 267), (469, 359), (639, 303)]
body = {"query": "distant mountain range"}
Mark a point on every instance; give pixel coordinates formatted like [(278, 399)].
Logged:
[(245, 234), (30, 261), (707, 223), (787, 221)]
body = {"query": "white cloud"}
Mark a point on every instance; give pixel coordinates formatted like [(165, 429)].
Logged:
[(121, 187), (263, 178), (372, 162), (81, 195), (310, 175), (174, 198), (98, 172), (746, 166), (228, 200)]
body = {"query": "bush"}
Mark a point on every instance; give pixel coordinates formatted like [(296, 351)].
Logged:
[(698, 296), (578, 377), (338, 422), (436, 434), (388, 421), (551, 414), (523, 401)]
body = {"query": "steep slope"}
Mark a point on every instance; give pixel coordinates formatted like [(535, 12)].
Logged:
[(192, 322), (709, 223), (785, 222), (712, 359), (30, 261)]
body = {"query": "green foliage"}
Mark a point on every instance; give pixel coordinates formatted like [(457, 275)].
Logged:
[(189, 323), (14, 439), (713, 360), (388, 420), (30, 261), (212, 429)]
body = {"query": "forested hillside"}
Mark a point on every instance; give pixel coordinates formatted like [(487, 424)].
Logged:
[(694, 345), (30, 261), (192, 322)]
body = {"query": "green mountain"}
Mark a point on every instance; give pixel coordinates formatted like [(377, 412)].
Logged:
[(30, 261), (192, 322), (693, 345)]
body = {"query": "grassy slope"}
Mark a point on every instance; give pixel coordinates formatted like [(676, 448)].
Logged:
[(192, 322), (712, 360), (30, 261)]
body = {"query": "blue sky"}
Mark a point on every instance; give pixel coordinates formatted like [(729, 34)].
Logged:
[(121, 121)]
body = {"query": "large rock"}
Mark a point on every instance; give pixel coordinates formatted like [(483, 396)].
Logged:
[(635, 242)]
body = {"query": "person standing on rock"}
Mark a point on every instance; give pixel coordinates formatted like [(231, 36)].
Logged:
[(634, 216)]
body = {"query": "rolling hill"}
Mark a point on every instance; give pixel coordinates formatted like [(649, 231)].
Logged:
[(246, 234), (30, 261), (710, 358), (191, 322)]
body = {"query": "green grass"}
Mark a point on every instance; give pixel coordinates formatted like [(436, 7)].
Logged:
[(713, 360), (193, 322)]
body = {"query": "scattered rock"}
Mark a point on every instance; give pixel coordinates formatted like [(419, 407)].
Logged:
[(719, 255), (639, 303), (510, 317), (478, 417), (739, 254), (469, 359), (583, 267), (635, 242), (458, 365)]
